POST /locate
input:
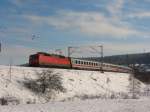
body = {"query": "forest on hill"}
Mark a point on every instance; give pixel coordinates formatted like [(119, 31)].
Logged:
[(127, 59)]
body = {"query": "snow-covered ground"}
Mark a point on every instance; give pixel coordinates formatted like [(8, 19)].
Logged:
[(83, 106), (78, 83)]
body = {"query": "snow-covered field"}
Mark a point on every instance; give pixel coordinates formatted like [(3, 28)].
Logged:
[(78, 84), (83, 106)]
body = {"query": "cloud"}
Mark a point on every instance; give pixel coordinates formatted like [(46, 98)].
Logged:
[(22, 2), (116, 48), (24, 34), (17, 2), (115, 7), (140, 15), (90, 23)]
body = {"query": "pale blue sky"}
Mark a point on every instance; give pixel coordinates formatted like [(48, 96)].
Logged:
[(122, 26)]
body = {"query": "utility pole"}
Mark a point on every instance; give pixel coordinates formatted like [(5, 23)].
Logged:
[(127, 60), (0, 47), (133, 86), (69, 51), (10, 69), (101, 53)]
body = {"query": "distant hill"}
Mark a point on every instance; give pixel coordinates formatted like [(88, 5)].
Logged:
[(141, 58)]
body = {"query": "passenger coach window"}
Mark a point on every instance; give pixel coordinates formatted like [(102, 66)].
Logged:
[(76, 61)]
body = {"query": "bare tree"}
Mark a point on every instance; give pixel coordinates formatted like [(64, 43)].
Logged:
[(50, 81), (46, 83)]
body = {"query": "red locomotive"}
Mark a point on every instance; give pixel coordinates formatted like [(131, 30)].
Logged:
[(58, 61), (51, 60)]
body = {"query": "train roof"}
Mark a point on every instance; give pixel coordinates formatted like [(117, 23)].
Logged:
[(80, 59), (47, 54)]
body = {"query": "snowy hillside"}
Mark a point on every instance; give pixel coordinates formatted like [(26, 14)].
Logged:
[(78, 83)]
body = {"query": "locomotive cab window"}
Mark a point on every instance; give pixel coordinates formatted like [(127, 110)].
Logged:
[(33, 57)]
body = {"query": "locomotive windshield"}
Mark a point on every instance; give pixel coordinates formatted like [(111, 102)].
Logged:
[(33, 57), (33, 60)]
